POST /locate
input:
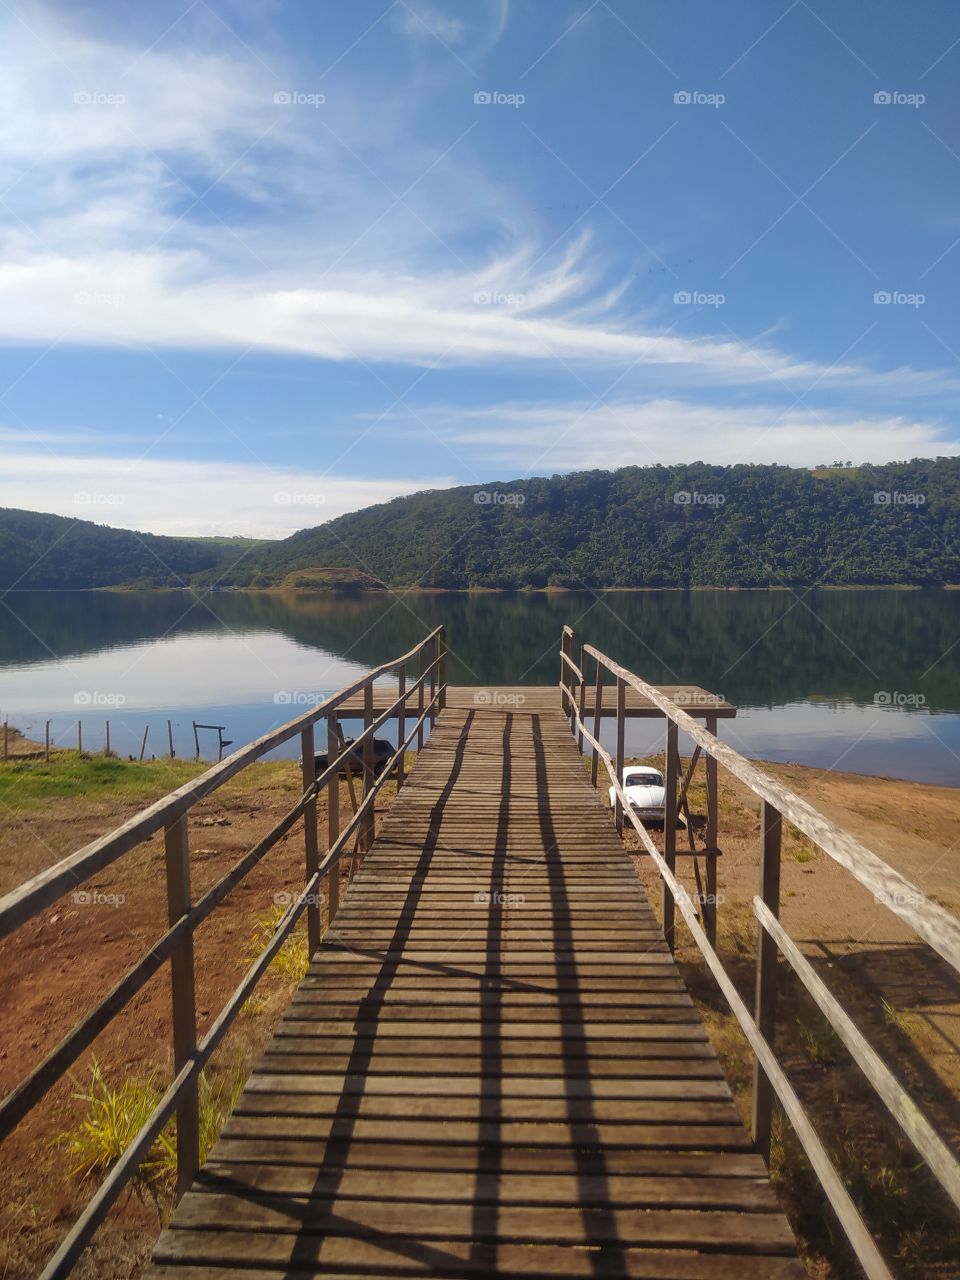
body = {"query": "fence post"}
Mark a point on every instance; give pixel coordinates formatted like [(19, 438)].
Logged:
[(177, 851), (6, 730), (421, 670), (765, 1011), (443, 668), (46, 743), (368, 822), (597, 699), (170, 738), (434, 661), (566, 650), (581, 699), (670, 773), (621, 727), (308, 757), (712, 836), (106, 748), (333, 817), (401, 722)]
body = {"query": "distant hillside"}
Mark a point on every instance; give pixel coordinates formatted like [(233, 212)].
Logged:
[(697, 525), (43, 551)]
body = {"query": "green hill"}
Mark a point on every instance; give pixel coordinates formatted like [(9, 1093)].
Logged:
[(698, 525)]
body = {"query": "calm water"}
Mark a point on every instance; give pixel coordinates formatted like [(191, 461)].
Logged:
[(865, 681)]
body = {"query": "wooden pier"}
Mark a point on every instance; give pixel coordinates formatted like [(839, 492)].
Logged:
[(493, 1067)]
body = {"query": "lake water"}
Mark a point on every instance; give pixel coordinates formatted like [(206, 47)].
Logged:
[(864, 681)]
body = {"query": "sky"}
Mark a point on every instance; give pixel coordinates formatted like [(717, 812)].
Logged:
[(264, 263)]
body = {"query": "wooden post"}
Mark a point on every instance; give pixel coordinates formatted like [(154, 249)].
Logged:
[(765, 1005), (402, 722), (143, 744), (368, 822), (442, 668), (106, 748), (566, 650), (598, 698), (434, 656), (712, 837), (6, 749), (183, 992), (80, 736), (621, 727), (420, 696), (46, 743), (581, 702), (333, 817), (671, 769), (196, 739), (170, 738), (308, 772)]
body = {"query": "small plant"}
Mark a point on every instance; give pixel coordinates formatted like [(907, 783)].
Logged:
[(112, 1120), (821, 1042), (292, 960)]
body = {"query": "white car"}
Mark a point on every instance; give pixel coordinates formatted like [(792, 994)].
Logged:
[(645, 791)]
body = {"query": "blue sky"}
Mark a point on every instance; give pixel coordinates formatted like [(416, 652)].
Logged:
[(264, 263)]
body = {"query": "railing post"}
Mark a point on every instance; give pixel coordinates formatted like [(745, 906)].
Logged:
[(598, 697), (308, 757), (333, 817), (401, 722), (183, 991), (621, 728), (566, 650), (765, 1010), (434, 662), (712, 836), (368, 822), (581, 699), (421, 670), (442, 639), (670, 773)]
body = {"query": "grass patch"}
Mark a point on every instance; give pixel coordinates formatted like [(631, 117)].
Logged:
[(293, 958), (28, 784)]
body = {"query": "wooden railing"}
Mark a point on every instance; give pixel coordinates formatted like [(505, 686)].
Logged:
[(928, 920), (169, 814)]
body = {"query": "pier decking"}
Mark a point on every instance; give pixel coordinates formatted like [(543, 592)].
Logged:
[(492, 1067)]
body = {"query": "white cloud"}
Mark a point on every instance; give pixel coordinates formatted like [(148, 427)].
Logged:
[(425, 21), (546, 438), (189, 498)]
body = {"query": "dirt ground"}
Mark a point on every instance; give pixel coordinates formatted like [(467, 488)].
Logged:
[(55, 969)]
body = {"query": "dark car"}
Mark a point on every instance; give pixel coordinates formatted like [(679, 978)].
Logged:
[(382, 754)]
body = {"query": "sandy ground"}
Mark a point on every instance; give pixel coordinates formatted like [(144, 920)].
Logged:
[(56, 968)]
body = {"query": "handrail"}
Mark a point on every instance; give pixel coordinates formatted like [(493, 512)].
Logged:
[(176, 944), (36, 894), (932, 923)]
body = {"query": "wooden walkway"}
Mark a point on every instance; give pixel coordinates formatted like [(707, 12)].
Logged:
[(493, 1067)]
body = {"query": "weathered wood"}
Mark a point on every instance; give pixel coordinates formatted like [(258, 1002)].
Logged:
[(765, 999), (618, 803), (183, 992), (308, 773), (333, 819), (670, 830)]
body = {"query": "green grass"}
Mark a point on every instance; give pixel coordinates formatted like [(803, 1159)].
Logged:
[(27, 784), (292, 960)]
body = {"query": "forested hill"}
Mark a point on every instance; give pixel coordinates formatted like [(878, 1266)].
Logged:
[(43, 551), (640, 526), (652, 526)]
